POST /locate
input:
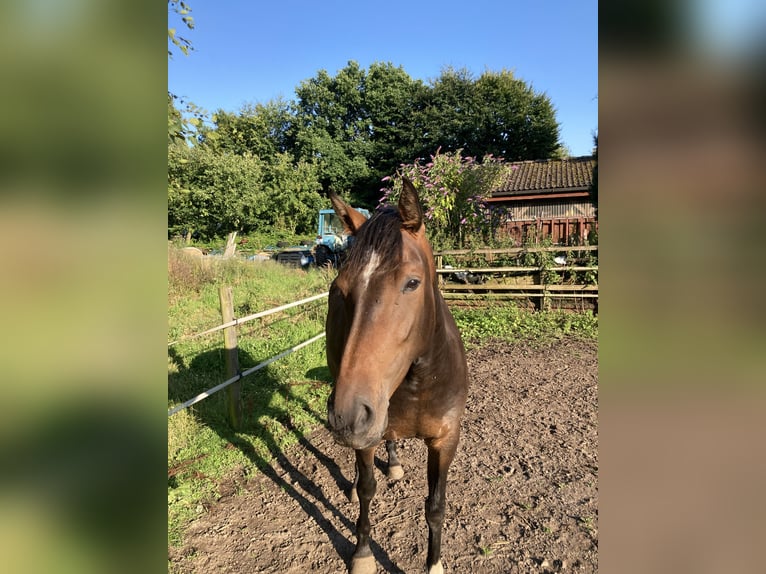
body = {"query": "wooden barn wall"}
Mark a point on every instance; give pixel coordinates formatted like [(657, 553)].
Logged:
[(564, 221)]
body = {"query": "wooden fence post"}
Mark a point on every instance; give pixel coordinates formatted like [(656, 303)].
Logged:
[(234, 391), (544, 299)]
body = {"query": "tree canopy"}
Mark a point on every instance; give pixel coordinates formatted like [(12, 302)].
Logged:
[(270, 163)]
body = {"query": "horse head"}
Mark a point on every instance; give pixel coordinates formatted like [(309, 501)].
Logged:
[(381, 315)]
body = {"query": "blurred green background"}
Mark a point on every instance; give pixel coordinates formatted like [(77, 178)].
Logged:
[(83, 290), (681, 353)]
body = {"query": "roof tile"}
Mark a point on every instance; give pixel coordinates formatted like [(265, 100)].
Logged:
[(549, 175)]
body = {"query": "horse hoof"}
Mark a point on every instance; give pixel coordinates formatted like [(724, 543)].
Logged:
[(365, 565), (395, 472), (352, 495), (436, 568)]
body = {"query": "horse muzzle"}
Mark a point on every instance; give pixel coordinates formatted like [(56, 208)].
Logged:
[(358, 426)]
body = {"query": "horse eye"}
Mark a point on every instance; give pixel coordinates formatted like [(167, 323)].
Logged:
[(411, 285)]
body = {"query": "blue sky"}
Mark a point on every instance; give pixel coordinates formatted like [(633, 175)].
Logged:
[(251, 51)]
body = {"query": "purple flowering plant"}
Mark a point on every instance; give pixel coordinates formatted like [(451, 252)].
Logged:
[(453, 191)]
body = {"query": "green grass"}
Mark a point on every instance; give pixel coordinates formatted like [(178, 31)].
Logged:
[(247, 244), (512, 324), (287, 399), (280, 403)]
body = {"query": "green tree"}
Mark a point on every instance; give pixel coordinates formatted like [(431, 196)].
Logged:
[(359, 125), (291, 192), (260, 130), (332, 128), (496, 114), (391, 97), (186, 124), (179, 9), (213, 193), (514, 122), (267, 164), (447, 112), (176, 126)]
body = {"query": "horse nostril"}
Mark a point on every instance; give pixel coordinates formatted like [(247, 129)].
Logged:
[(356, 418), (333, 419), (367, 412), (364, 417)]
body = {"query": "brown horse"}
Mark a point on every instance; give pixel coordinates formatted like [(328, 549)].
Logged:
[(397, 359)]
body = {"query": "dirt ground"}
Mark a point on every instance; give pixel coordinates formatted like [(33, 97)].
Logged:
[(522, 493)]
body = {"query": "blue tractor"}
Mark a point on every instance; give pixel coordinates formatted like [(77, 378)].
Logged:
[(329, 246), (331, 242)]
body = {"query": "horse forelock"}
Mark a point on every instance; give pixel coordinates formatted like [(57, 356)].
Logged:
[(378, 240)]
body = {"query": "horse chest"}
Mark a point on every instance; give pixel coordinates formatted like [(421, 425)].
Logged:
[(412, 409)]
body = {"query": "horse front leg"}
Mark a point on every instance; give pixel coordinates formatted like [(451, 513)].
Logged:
[(395, 470), (352, 495), (363, 562), (439, 460)]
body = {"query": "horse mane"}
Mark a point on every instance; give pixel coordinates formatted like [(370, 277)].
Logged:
[(380, 234)]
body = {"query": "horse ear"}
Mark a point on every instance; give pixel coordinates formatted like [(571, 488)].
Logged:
[(351, 218), (409, 207)]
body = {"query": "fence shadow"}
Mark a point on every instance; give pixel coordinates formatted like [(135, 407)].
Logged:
[(257, 393)]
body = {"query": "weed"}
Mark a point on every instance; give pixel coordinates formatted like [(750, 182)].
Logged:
[(544, 260), (494, 479), (510, 323)]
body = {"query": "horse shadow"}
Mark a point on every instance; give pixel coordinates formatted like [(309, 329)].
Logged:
[(258, 389)]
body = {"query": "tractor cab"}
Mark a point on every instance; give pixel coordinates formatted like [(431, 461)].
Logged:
[(330, 230), (331, 239)]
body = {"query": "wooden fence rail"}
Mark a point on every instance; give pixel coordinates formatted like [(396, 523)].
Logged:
[(528, 269), (515, 250), (540, 289), (240, 320), (230, 322)]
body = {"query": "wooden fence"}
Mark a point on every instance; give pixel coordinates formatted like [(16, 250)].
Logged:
[(560, 230), (540, 284), (497, 282), (231, 349)]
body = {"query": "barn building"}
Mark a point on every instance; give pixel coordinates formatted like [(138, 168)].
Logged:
[(550, 198)]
